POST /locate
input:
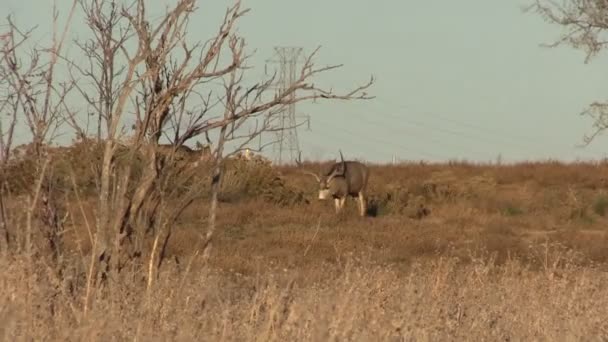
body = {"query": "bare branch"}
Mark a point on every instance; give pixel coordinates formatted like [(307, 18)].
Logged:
[(585, 23), (179, 90)]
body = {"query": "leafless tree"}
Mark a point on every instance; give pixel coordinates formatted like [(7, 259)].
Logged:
[(159, 83), (8, 118), (31, 86), (33, 96), (164, 89), (103, 67), (9, 121), (585, 26)]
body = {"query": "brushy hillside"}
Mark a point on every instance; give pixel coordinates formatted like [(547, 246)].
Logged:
[(448, 252)]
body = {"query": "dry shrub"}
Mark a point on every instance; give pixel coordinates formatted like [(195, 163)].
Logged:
[(398, 199), (392, 200), (243, 179), (414, 198), (445, 185), (600, 205), (499, 238), (441, 186), (81, 160), (249, 179)]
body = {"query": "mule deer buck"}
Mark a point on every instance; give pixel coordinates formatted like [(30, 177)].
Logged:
[(342, 179)]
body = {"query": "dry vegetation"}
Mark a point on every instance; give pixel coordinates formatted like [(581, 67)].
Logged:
[(111, 238), (506, 253)]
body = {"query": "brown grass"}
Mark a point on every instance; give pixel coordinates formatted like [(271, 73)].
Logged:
[(506, 253)]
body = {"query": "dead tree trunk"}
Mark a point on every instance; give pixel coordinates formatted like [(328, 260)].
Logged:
[(215, 190)]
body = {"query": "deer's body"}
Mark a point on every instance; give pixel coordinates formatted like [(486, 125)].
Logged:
[(344, 179)]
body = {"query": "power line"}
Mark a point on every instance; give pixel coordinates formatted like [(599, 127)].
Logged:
[(495, 138), (387, 126), (393, 128), (476, 138), (487, 130), (380, 140)]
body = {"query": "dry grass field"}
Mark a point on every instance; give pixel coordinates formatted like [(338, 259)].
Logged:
[(510, 253), (111, 239)]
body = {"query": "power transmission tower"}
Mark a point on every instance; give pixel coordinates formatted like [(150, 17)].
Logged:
[(287, 144)]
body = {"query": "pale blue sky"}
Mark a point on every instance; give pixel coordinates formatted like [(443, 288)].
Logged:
[(455, 79)]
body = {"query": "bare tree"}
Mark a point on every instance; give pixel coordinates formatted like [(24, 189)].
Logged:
[(103, 67), (159, 81), (8, 110), (32, 88), (34, 96), (162, 89), (585, 24)]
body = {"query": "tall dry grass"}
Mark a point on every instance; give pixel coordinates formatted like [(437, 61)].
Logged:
[(506, 253), (439, 299)]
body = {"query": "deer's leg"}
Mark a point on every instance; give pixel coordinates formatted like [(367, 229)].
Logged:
[(337, 204), (362, 204), (342, 202)]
